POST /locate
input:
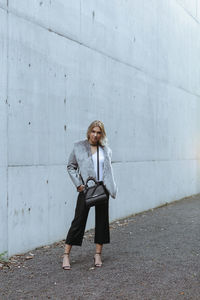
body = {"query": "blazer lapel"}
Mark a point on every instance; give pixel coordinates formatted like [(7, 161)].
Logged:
[(88, 149)]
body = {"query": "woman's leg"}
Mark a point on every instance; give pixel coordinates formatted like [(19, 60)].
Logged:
[(99, 248), (102, 231), (68, 248), (66, 262), (97, 257), (77, 229)]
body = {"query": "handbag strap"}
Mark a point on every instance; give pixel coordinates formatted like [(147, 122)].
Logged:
[(97, 162)]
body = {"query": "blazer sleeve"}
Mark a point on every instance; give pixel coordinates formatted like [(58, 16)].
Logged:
[(73, 170), (110, 154), (114, 184)]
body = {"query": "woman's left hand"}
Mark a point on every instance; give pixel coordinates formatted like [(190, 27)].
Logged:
[(80, 188)]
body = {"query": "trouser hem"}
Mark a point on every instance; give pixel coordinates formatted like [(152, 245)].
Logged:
[(102, 243), (73, 244)]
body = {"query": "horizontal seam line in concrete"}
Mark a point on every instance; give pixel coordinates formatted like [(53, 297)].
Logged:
[(37, 165), (113, 162), (155, 160), (96, 50)]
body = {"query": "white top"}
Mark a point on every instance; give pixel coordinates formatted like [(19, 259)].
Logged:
[(101, 163)]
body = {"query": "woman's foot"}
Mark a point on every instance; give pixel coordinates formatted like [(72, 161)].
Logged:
[(66, 263), (97, 260)]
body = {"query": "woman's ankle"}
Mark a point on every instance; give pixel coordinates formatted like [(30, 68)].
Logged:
[(67, 248)]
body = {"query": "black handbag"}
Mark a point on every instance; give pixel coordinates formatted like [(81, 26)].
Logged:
[(96, 194)]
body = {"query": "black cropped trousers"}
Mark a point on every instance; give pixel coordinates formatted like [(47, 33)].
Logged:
[(77, 229)]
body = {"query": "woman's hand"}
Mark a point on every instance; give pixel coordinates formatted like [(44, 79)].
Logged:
[(80, 188)]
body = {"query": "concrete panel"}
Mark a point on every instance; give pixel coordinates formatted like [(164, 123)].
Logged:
[(144, 185), (60, 16), (61, 203), (198, 130), (155, 121), (63, 94), (198, 175), (37, 93), (179, 47), (40, 210), (28, 208), (3, 3), (3, 210), (3, 88), (198, 11), (133, 33), (198, 146), (3, 133)]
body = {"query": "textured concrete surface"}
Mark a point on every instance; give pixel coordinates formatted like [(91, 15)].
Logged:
[(153, 255), (132, 64)]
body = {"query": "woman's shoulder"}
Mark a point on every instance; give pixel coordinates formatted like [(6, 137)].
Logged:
[(107, 149), (106, 146), (80, 144)]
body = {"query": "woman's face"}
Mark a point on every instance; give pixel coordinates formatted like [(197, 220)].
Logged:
[(95, 135)]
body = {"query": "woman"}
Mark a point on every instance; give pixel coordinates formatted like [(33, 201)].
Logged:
[(81, 165)]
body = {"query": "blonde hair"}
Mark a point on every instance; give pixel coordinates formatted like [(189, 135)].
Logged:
[(96, 123)]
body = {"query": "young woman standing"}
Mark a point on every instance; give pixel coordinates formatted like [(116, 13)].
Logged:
[(81, 165)]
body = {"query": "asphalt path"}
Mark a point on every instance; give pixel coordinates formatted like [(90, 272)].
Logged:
[(152, 255)]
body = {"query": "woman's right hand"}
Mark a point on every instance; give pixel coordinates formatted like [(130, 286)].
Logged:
[(80, 188)]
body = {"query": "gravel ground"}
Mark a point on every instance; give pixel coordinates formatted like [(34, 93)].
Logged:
[(152, 255)]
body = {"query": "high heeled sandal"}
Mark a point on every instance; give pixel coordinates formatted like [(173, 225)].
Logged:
[(66, 267), (97, 265)]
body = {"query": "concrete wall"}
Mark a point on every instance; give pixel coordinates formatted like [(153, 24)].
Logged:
[(133, 65)]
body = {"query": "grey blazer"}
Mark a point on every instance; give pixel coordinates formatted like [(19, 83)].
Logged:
[(80, 164)]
